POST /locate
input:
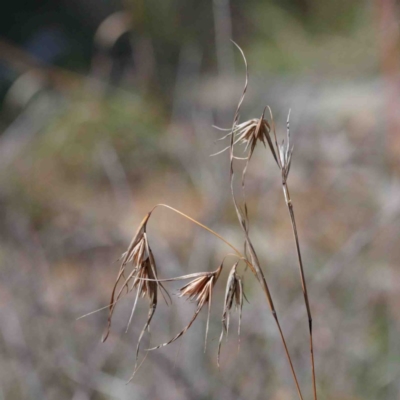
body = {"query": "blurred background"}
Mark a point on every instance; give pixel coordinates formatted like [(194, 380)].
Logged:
[(107, 107)]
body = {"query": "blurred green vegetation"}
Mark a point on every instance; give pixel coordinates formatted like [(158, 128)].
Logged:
[(67, 156), (280, 37), (330, 38), (130, 124)]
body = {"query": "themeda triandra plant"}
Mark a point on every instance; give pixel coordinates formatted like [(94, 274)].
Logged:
[(138, 270)]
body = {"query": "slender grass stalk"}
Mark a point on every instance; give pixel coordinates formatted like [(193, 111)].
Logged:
[(283, 160), (267, 293), (302, 277), (283, 157), (244, 223)]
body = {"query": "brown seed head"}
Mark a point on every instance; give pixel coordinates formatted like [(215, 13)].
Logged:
[(282, 152), (233, 294), (199, 289), (138, 272), (252, 131)]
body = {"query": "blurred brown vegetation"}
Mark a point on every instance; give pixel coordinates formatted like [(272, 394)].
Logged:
[(91, 141)]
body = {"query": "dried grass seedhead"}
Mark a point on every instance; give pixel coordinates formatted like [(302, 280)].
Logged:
[(251, 132), (234, 294), (200, 290), (282, 152), (142, 277)]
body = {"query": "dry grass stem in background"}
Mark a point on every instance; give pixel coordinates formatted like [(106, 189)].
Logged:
[(143, 275)]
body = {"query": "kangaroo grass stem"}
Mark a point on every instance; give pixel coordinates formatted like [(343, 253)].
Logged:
[(243, 215), (303, 279), (283, 157)]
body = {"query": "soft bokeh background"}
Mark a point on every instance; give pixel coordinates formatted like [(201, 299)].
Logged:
[(107, 108)]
